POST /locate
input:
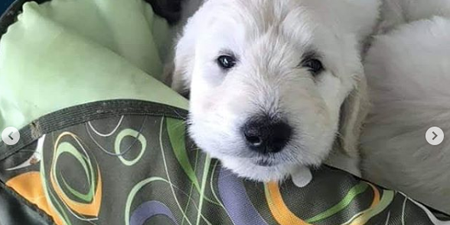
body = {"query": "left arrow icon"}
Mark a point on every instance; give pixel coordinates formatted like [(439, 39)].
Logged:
[(10, 136)]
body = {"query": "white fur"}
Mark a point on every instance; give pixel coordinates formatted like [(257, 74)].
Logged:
[(408, 72), (269, 37), (398, 12)]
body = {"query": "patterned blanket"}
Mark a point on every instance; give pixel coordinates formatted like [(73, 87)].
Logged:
[(130, 162)]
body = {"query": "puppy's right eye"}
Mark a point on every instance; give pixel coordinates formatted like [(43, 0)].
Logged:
[(315, 66), (311, 61), (226, 62)]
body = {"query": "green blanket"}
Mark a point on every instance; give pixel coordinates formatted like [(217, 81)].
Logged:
[(66, 52)]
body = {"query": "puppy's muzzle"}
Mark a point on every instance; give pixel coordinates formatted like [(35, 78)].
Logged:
[(265, 135)]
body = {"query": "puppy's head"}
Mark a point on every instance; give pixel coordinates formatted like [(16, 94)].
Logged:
[(272, 83)]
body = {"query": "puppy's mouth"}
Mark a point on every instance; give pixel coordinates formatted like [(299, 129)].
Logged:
[(265, 163)]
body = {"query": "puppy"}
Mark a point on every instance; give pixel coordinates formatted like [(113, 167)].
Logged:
[(274, 85), (408, 72)]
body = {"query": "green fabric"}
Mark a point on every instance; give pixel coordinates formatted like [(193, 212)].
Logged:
[(137, 167), (70, 52)]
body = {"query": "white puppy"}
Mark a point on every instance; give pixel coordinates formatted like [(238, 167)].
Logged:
[(273, 84), (408, 70)]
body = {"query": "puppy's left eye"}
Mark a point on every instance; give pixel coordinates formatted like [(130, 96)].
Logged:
[(226, 62), (315, 66)]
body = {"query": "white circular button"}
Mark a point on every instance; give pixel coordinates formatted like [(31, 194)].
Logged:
[(10, 136), (434, 136)]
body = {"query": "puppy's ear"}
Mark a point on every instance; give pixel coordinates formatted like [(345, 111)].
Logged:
[(353, 112), (183, 66), (185, 57)]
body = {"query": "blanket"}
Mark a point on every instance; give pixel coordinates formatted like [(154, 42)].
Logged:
[(60, 50)]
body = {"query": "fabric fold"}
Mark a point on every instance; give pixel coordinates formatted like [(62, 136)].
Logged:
[(65, 52)]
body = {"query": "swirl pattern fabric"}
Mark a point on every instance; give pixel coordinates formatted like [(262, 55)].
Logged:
[(140, 168)]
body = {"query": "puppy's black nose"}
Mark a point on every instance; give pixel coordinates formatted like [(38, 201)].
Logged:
[(265, 136)]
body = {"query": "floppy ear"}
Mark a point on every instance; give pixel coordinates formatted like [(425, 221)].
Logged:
[(185, 53), (353, 113), (183, 64)]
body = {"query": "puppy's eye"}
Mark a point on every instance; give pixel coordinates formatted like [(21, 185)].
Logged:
[(226, 62), (315, 66)]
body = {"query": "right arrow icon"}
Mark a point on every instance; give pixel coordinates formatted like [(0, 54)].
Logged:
[(434, 136)]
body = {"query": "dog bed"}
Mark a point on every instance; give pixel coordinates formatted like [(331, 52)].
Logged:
[(104, 142)]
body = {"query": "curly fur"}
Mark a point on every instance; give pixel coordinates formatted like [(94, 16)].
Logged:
[(408, 72)]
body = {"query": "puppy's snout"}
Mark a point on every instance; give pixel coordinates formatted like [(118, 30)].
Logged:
[(265, 136)]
